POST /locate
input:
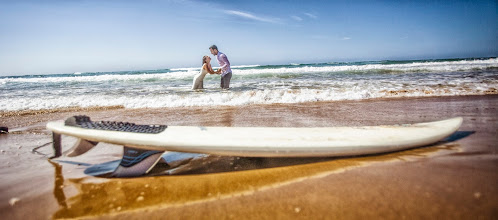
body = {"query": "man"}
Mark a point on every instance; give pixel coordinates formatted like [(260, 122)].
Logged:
[(226, 72)]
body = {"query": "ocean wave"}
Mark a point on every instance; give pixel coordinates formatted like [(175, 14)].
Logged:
[(215, 97), (415, 67), (101, 78), (273, 70)]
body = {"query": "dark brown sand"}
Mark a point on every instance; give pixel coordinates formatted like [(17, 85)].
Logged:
[(456, 179)]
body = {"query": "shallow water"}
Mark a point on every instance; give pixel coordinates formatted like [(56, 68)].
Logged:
[(252, 85)]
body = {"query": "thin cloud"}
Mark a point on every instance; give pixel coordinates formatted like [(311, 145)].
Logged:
[(311, 15), (297, 18), (346, 38), (250, 16)]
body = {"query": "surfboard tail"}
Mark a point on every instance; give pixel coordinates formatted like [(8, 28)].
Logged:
[(136, 162)]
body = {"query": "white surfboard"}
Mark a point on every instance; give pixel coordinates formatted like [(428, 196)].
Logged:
[(259, 141)]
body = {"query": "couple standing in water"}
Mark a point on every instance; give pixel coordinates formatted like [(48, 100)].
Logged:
[(224, 70)]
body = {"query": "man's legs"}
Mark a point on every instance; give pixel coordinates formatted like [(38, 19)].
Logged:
[(225, 81)]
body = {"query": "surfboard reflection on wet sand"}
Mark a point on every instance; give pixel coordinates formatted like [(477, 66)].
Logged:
[(215, 180)]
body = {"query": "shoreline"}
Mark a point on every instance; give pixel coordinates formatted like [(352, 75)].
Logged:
[(6, 114), (15, 120), (450, 180)]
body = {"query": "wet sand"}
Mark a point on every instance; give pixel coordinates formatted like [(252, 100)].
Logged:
[(454, 179)]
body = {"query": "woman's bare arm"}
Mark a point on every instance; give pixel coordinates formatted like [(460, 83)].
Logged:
[(210, 69)]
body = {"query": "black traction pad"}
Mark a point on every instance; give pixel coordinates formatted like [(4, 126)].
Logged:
[(84, 121)]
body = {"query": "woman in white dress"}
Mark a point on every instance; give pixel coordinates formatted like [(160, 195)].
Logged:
[(198, 82)]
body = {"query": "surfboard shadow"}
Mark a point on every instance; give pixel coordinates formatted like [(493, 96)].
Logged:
[(248, 163), (230, 164), (72, 162), (178, 163), (457, 136)]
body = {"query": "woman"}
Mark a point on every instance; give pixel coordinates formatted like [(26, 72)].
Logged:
[(198, 82)]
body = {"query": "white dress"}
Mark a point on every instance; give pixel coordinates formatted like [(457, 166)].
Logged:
[(198, 82)]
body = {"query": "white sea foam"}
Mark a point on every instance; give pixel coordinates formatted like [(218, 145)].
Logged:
[(244, 66), (215, 97), (187, 69)]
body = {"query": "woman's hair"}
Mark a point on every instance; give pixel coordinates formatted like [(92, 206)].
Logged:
[(204, 59)]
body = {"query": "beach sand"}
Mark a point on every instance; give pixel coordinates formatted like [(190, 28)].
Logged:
[(455, 179)]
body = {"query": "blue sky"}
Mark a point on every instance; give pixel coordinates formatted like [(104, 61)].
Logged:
[(42, 37)]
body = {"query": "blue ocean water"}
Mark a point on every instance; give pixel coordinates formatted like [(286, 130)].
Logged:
[(252, 84)]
